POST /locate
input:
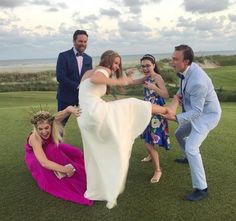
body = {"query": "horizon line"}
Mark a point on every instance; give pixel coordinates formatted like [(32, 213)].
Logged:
[(93, 56)]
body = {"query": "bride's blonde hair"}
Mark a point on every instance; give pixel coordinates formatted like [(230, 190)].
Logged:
[(45, 116), (107, 60)]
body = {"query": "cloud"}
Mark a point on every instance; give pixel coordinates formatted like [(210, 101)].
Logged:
[(110, 12), (205, 6), (139, 2), (120, 27), (86, 22), (11, 3), (41, 2), (184, 22), (135, 6), (18, 3), (21, 43), (167, 33), (132, 26), (53, 9), (86, 19), (61, 5), (232, 17), (201, 24), (8, 19)]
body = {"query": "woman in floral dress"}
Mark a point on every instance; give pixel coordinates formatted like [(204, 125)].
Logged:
[(156, 132)]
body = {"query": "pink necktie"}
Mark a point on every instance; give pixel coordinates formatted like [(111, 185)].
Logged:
[(80, 63)]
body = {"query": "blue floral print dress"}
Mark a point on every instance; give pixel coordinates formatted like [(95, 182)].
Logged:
[(157, 131)]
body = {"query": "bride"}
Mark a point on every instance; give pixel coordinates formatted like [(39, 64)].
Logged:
[(109, 129)]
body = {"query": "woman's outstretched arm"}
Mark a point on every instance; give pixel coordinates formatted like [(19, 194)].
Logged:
[(66, 112), (100, 78), (172, 108), (166, 110)]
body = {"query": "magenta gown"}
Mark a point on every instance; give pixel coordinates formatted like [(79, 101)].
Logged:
[(68, 188)]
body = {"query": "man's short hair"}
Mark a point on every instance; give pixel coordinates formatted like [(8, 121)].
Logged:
[(79, 32), (187, 52)]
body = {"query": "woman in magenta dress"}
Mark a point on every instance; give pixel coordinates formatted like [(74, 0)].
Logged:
[(57, 168)]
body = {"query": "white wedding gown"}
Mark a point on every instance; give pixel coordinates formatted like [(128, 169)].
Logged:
[(108, 131)]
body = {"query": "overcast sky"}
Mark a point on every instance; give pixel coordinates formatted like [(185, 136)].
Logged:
[(43, 28)]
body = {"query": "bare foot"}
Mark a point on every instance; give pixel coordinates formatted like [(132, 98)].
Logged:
[(147, 159), (156, 177)]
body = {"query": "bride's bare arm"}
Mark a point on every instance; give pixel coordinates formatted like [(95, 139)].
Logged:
[(171, 109), (168, 111), (130, 73), (138, 81), (100, 78)]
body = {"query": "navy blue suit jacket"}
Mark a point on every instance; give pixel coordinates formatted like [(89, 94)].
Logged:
[(68, 77)]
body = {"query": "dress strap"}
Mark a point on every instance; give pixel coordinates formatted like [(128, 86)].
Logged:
[(105, 72)]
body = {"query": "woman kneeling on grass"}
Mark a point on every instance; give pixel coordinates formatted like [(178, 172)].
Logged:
[(58, 168)]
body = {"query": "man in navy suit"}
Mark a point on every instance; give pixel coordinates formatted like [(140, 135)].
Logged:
[(201, 113), (71, 65)]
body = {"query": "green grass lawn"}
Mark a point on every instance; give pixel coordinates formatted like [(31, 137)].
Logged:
[(21, 199), (223, 77)]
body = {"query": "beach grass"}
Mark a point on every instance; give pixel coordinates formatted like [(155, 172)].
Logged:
[(223, 78), (21, 199)]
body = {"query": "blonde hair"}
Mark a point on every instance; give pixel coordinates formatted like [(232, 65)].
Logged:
[(56, 127), (107, 60)]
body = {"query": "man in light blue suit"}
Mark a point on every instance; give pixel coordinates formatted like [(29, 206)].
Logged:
[(71, 66), (201, 113)]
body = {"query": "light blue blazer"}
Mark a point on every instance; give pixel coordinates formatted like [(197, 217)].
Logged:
[(202, 107)]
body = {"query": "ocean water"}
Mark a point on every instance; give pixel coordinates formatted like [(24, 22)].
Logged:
[(35, 65)]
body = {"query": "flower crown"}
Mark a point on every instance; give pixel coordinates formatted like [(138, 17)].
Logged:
[(40, 116)]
